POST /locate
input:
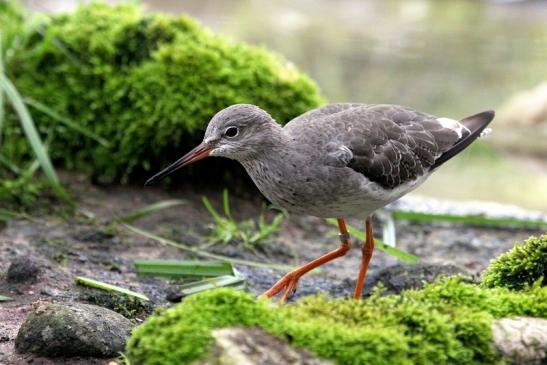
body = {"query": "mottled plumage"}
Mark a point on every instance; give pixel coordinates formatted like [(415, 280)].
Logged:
[(341, 160)]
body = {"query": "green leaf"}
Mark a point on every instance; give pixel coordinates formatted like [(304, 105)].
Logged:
[(9, 164), (468, 219), (150, 209), (69, 123), (5, 299), (226, 204), (2, 110), (7, 215), (108, 287), (197, 251), (237, 281), (32, 135), (400, 254), (180, 269), (211, 210)]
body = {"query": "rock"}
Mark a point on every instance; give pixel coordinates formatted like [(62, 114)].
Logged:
[(63, 330), (527, 107), (23, 269), (252, 346), (412, 276), (521, 125), (523, 340)]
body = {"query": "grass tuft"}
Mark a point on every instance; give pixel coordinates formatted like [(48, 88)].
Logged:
[(249, 233)]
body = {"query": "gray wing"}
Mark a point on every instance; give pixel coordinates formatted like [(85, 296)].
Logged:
[(389, 144), (397, 144), (325, 111)]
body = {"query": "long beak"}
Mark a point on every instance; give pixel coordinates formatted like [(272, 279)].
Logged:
[(198, 153)]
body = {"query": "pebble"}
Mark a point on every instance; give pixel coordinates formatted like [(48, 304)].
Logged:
[(23, 269)]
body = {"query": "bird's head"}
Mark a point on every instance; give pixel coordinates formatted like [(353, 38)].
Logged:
[(238, 132)]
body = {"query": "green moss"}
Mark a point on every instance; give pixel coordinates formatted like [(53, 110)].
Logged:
[(182, 334), (448, 322), (127, 306), (148, 84), (519, 268)]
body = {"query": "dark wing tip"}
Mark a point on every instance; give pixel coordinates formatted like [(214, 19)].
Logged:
[(478, 121), (476, 124)]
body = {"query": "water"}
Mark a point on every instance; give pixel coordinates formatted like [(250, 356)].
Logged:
[(450, 58)]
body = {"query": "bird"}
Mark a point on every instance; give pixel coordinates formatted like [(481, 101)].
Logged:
[(341, 160)]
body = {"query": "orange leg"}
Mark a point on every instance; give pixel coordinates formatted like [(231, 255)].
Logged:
[(289, 282), (367, 249)]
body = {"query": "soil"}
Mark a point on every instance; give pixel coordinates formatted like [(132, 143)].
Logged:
[(87, 243)]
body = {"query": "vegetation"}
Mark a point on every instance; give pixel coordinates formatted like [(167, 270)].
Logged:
[(147, 84), (448, 322), (203, 253), (249, 233), (20, 189), (521, 267), (216, 274)]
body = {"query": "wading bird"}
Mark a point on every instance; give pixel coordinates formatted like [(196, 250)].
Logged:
[(341, 160)]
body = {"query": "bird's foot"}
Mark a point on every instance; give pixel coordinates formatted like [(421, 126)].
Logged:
[(289, 282)]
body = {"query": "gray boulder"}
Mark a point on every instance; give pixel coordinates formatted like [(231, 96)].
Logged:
[(64, 330)]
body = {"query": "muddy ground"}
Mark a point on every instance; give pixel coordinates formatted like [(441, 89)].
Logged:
[(87, 244)]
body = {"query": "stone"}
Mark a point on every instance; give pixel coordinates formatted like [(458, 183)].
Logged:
[(23, 269), (65, 330), (401, 277), (521, 340), (253, 346)]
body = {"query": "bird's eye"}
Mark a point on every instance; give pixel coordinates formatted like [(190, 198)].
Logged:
[(231, 132)]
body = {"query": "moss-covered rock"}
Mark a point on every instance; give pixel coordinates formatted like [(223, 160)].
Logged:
[(519, 268), (148, 84), (447, 322)]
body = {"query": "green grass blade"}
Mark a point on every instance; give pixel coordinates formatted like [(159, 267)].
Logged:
[(32, 135), (226, 204), (150, 209), (379, 244), (2, 110), (181, 269), (468, 219), (108, 287), (31, 169), (211, 209), (208, 284), (3, 298), (10, 165), (197, 251), (66, 121), (7, 215)]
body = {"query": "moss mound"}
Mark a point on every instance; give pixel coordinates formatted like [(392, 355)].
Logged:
[(519, 268), (148, 84), (448, 322)]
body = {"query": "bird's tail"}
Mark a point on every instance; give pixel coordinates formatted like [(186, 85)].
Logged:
[(477, 126)]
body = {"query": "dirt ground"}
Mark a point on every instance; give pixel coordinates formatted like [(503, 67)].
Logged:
[(87, 244)]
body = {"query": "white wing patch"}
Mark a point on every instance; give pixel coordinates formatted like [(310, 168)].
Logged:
[(454, 125)]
